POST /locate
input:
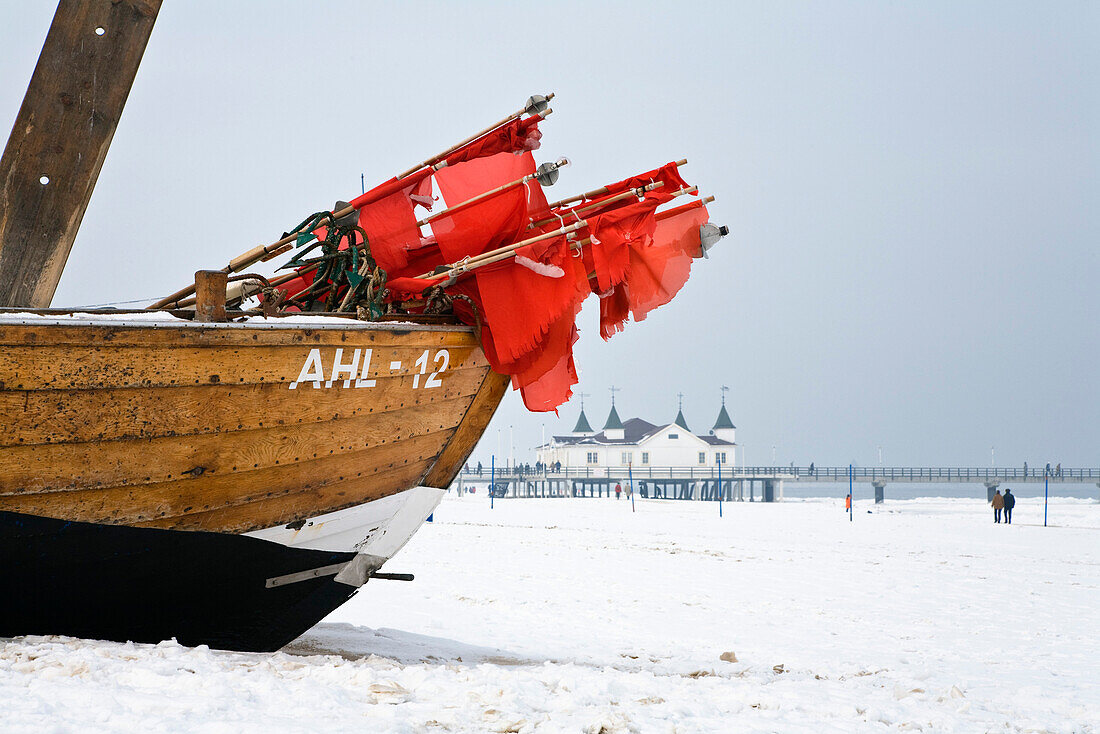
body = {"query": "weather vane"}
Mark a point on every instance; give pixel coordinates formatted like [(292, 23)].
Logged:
[(582, 396), (614, 390), (724, 391), (681, 396)]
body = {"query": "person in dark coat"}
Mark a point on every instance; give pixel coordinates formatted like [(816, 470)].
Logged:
[(1010, 502), (998, 504)]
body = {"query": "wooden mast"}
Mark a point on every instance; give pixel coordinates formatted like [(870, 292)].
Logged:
[(61, 137)]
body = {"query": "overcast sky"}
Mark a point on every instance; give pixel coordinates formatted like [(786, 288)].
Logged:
[(912, 190)]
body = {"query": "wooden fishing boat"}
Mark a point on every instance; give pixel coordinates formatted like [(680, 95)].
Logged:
[(228, 477), (239, 480)]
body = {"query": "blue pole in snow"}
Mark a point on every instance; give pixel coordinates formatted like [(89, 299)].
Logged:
[(851, 503), (492, 479), (1046, 496), (630, 474), (719, 485)]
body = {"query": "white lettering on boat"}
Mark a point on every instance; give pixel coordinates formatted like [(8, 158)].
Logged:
[(355, 371)]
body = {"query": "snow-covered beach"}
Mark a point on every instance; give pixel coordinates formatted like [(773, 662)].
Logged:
[(580, 615)]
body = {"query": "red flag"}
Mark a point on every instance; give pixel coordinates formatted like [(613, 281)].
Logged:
[(614, 311), (523, 295), (553, 388), (659, 271), (516, 136), (668, 173), (391, 229), (490, 223), (612, 234)]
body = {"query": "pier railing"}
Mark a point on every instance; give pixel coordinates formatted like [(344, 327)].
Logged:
[(823, 474)]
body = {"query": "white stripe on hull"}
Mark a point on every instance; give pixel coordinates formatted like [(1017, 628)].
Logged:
[(378, 528)]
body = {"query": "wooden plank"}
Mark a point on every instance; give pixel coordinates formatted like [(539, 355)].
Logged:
[(342, 332), (196, 503), (66, 466), (63, 130), (86, 367), (469, 431), (74, 416), (274, 511)]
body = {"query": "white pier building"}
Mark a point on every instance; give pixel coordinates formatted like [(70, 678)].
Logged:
[(640, 444)]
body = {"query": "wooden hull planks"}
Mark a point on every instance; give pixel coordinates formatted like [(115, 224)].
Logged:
[(231, 427)]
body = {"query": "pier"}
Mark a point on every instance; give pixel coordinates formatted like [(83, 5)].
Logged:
[(749, 484)]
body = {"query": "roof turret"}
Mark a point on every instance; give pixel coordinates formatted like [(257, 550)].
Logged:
[(583, 425), (723, 419), (613, 420), (681, 421)]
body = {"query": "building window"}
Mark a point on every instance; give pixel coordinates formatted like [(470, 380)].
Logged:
[(645, 457), (674, 435), (702, 457), (720, 457), (593, 457), (628, 457)]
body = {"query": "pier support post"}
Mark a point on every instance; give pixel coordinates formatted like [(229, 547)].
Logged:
[(880, 492), (990, 488)]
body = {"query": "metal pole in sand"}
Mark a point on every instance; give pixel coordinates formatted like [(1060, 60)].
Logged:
[(851, 503), (1046, 496), (492, 479), (719, 457), (630, 474)]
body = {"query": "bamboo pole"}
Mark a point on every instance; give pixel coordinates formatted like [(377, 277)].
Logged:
[(610, 200), (259, 252), (503, 253), (597, 192), (440, 156)]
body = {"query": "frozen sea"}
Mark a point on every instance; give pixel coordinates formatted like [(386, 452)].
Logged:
[(581, 615)]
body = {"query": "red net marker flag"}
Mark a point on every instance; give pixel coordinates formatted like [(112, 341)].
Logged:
[(494, 221), (517, 136), (660, 270), (521, 297), (669, 173)]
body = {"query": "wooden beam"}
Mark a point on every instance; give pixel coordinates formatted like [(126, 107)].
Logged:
[(61, 136), (210, 295)]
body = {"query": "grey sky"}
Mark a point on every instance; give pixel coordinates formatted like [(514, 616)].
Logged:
[(912, 190)]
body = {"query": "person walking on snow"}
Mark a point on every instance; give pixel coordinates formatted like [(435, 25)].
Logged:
[(1010, 502), (618, 490), (998, 503)]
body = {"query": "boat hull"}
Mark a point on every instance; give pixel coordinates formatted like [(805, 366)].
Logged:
[(156, 475), (114, 582)]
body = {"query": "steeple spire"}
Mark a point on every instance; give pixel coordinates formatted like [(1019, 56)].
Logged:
[(583, 426), (680, 420), (723, 421), (613, 421)]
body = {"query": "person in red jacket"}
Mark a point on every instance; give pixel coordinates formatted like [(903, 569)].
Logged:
[(618, 490)]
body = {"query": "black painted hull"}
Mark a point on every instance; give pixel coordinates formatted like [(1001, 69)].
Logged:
[(146, 585)]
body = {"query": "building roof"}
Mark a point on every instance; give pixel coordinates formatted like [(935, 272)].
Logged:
[(582, 424), (634, 430), (681, 421), (723, 419), (612, 419), (715, 441)]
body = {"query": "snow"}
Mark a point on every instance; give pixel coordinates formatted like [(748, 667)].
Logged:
[(163, 318), (579, 615)]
